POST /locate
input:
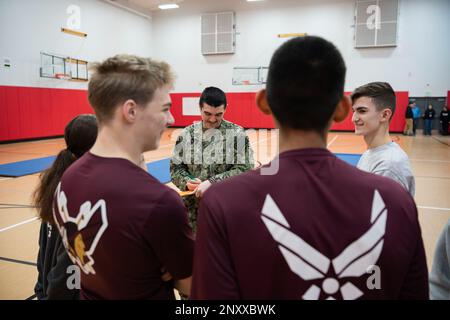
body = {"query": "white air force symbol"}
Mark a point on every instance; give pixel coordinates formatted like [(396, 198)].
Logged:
[(309, 264)]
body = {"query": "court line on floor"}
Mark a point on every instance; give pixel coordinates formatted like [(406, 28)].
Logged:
[(432, 177), (19, 224), (17, 205), (427, 160), (19, 261), (440, 141), (28, 153), (433, 208), (333, 140)]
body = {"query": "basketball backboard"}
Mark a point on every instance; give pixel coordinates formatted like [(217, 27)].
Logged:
[(63, 67), (249, 75)]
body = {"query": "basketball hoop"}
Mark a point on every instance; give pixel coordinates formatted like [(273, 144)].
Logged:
[(62, 76)]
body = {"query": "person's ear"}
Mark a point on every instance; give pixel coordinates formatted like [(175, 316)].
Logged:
[(342, 109), (129, 110), (386, 115), (261, 102)]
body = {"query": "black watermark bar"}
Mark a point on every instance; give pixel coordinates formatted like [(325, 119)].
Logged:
[(269, 309)]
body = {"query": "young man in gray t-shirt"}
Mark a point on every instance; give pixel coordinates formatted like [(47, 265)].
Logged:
[(373, 108)]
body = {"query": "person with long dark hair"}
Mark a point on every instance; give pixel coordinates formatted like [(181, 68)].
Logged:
[(53, 261)]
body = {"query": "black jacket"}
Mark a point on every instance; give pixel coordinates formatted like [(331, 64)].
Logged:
[(52, 264), (444, 117), (429, 114), (409, 113)]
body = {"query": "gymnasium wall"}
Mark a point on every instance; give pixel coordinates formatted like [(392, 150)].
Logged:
[(32, 107), (420, 63), (411, 67), (28, 27)]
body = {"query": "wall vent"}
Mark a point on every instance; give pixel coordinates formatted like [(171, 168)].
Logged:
[(218, 33)]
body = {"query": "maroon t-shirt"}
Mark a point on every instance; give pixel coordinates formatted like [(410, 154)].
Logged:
[(318, 229), (122, 227)]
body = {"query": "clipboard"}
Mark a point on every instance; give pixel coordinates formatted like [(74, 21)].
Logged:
[(185, 193)]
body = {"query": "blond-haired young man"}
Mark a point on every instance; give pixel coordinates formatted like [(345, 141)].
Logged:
[(121, 226)]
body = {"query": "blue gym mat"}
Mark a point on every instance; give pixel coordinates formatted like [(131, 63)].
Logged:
[(350, 158), (22, 168), (159, 169)]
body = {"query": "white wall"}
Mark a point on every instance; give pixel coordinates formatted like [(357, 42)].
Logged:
[(28, 27), (419, 64)]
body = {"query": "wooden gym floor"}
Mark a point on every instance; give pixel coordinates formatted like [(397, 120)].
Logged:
[(19, 227)]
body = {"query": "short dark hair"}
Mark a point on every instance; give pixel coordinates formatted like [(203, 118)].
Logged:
[(214, 97), (305, 83), (381, 93)]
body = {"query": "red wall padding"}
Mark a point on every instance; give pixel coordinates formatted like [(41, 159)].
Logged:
[(243, 111), (398, 121), (27, 112), (38, 112)]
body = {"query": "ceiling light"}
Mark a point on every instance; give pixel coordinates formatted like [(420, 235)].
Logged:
[(168, 6), (254, 0)]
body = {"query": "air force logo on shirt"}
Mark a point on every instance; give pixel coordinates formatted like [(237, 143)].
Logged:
[(309, 264), (80, 241)]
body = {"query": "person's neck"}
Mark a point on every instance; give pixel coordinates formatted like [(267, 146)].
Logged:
[(297, 139), (377, 139), (113, 143), (205, 128)]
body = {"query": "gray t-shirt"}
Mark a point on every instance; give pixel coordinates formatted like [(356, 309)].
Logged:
[(440, 273), (391, 161)]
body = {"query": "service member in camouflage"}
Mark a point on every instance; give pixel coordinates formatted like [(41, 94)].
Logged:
[(209, 151)]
